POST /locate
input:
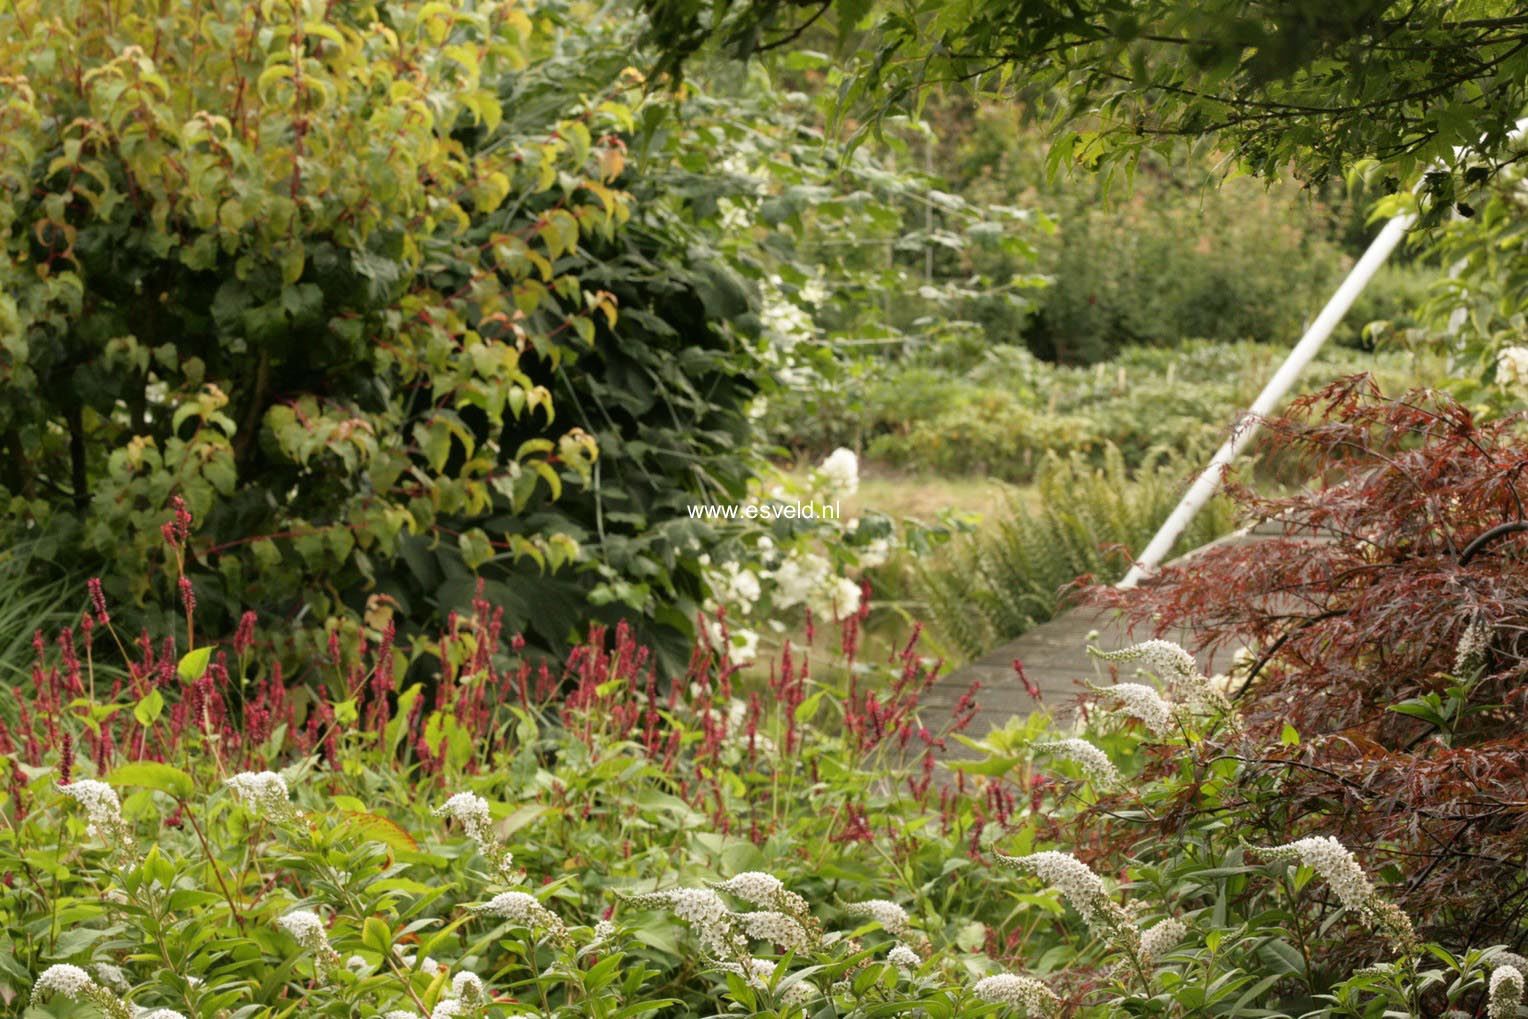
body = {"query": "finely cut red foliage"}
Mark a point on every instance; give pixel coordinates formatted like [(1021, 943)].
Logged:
[(1412, 529)]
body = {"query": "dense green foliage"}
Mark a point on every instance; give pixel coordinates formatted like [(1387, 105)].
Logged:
[(963, 407), (186, 843), (1424, 91)]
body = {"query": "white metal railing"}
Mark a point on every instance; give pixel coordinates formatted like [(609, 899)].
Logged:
[(1209, 481)]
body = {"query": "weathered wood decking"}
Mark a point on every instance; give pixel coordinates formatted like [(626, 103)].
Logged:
[(1055, 659)]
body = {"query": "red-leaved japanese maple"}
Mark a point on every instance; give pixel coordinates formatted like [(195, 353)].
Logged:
[(1411, 535)]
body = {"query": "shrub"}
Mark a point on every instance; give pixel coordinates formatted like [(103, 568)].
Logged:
[(1381, 629), (246, 249)]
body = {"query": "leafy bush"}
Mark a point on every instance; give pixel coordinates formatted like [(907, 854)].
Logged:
[(247, 249), (1014, 571), (998, 411)]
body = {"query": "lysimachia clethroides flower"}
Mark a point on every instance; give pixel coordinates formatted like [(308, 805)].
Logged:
[(73, 983), (1506, 992), (103, 811), (526, 910), (263, 792), (1161, 939), (1084, 890), (1171, 664), (892, 917), (1025, 993), (1095, 764), (472, 813), (1332, 861), (716, 926), (307, 929)]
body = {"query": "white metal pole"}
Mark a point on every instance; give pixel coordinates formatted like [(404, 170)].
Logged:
[(1209, 481)]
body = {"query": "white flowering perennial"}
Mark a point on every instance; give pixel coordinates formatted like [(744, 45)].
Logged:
[(1075, 881), (1095, 764), (66, 981), (892, 917), (1470, 652), (708, 916), (753, 886), (307, 929), (1026, 993), (103, 811), (1139, 701), (903, 957), (472, 813), (1335, 865), (760, 972), (1512, 366), (264, 792), (784, 932), (469, 988), (526, 910), (159, 1013), (1161, 939), (111, 976), (839, 473), (1506, 992), (1512, 959), (1171, 664)]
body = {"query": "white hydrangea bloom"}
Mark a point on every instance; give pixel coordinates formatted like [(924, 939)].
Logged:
[(526, 910), (1512, 366), (1139, 701), (1022, 992), (734, 586), (307, 929), (1095, 764), (783, 931), (838, 599), (892, 917), (875, 553), (798, 576), (904, 957), (1506, 992), (840, 472), (103, 811), (261, 791), (1161, 939), (471, 812)]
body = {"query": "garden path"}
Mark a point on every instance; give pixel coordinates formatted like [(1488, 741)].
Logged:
[(1056, 660)]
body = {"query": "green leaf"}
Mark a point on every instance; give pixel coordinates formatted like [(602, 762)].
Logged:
[(194, 664), (382, 830), (147, 710), (154, 775)]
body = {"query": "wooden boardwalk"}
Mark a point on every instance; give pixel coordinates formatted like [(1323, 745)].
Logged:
[(1055, 659)]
